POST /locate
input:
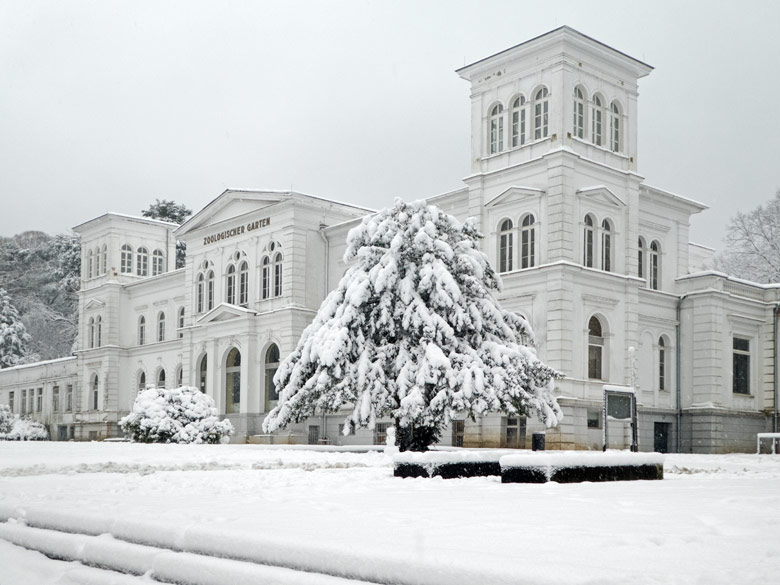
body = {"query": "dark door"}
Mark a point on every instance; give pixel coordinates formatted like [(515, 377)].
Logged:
[(661, 437)]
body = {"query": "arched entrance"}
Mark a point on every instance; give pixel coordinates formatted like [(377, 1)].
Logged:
[(233, 382)]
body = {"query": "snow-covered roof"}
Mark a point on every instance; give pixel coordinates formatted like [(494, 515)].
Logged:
[(124, 216)]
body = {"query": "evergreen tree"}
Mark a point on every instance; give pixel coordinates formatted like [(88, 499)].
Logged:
[(13, 335), (414, 332), (174, 212)]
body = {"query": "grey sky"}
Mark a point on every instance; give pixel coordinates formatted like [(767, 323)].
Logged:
[(105, 106)]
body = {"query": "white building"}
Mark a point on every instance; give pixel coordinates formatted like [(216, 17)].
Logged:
[(596, 259)]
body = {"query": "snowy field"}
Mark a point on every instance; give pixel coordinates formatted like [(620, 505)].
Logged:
[(235, 514)]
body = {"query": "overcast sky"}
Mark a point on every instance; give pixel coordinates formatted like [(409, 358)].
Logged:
[(105, 106)]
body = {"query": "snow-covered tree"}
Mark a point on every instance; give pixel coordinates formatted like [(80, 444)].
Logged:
[(413, 332), (13, 335), (25, 429), (6, 419), (179, 415), (174, 212)]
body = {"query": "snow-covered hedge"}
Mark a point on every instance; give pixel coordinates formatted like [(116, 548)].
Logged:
[(6, 419), (179, 415), (23, 429)]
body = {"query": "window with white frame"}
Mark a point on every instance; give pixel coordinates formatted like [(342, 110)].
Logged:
[(142, 262), (91, 332), (578, 123), (161, 326), (741, 365), (233, 382), (243, 284), (595, 349), (179, 376), (95, 393), (126, 264), (662, 364), (39, 400), (541, 113), (104, 262), (55, 399), (200, 293), (230, 288), (518, 121), (587, 241), (265, 285), (606, 246), (458, 432), (496, 129), (11, 396), (210, 290), (278, 274), (142, 381), (203, 373), (99, 331), (98, 272), (640, 257), (655, 265), (615, 129), (180, 323), (597, 121), (141, 330), (271, 366), (161, 378), (380, 433), (527, 242), (157, 262), (505, 245), (68, 397), (89, 264)]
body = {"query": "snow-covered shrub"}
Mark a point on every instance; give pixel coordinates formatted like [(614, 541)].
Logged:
[(413, 332), (179, 415), (25, 429), (6, 419)]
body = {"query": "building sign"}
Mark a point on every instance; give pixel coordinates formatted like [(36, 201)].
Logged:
[(237, 231)]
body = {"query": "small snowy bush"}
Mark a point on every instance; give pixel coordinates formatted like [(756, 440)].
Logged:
[(23, 429), (180, 415), (6, 419)]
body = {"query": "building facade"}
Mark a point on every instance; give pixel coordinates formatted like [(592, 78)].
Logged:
[(597, 260)]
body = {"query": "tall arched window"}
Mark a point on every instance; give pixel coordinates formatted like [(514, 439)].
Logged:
[(141, 330), (230, 288), (142, 262), (271, 365), (597, 121), (202, 374), (606, 246), (89, 264), (541, 113), (95, 392), (126, 264), (179, 376), (99, 331), (104, 262), (91, 332), (157, 262), (587, 242), (161, 326), (595, 349), (661, 364), (496, 129), (180, 323), (655, 266), (278, 274), (518, 121), (142, 381), (640, 257), (200, 292), (505, 245), (161, 378), (578, 127), (527, 242), (615, 128), (210, 290), (266, 277), (98, 271), (243, 284), (233, 382)]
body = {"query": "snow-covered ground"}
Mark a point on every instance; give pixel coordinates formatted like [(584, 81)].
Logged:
[(171, 509)]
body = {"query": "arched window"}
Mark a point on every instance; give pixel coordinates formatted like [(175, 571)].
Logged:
[(266, 277), (595, 349), (179, 376), (199, 293), (210, 290), (91, 332), (496, 129), (161, 378), (157, 262), (640, 257), (518, 121), (99, 331), (202, 374), (615, 128), (230, 288), (161, 326), (142, 381), (271, 365), (141, 330), (233, 382), (126, 264), (98, 272), (243, 284), (278, 274), (597, 121), (104, 262), (505, 246), (180, 323), (142, 262), (89, 264), (587, 242), (578, 128), (541, 113), (95, 392), (662, 385), (606, 246), (527, 242), (655, 265)]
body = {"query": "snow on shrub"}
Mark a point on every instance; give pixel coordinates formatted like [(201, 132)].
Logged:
[(179, 415), (23, 429), (6, 419)]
